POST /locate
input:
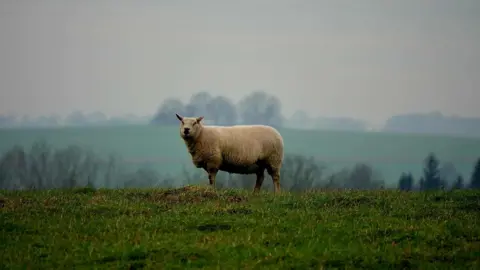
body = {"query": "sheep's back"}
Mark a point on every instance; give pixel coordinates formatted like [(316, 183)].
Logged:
[(245, 145)]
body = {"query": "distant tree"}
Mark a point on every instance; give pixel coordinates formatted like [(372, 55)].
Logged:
[(421, 183), (475, 178), (363, 176), (337, 179), (431, 173), (300, 115), (448, 173), (222, 111), (198, 105), (166, 113), (97, 118), (405, 182), (299, 120), (459, 183), (260, 108), (76, 118), (301, 173)]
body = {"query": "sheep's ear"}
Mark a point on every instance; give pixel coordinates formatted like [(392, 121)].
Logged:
[(199, 119), (179, 117)]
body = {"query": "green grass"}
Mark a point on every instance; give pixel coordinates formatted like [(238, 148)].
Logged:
[(196, 227)]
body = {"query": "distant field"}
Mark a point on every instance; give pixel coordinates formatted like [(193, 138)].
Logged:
[(195, 227), (161, 147)]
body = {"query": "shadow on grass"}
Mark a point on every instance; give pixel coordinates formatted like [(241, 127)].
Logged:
[(234, 211), (136, 258), (335, 201), (463, 202), (9, 227), (213, 227), (396, 235)]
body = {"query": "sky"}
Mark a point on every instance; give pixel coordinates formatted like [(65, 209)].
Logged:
[(364, 59)]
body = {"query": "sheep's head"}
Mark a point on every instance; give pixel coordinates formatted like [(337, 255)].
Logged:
[(190, 127)]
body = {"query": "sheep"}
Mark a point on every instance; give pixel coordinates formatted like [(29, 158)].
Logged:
[(240, 149)]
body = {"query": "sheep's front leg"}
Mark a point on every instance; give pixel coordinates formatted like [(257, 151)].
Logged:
[(212, 174)]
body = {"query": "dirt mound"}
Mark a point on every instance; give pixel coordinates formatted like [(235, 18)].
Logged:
[(193, 194)]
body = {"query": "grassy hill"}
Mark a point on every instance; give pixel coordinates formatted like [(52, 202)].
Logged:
[(197, 227)]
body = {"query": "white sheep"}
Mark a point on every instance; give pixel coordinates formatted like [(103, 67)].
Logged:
[(241, 149)]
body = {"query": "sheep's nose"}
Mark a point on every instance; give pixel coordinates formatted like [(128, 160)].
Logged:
[(186, 130)]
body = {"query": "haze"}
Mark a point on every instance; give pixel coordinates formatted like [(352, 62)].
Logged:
[(362, 59)]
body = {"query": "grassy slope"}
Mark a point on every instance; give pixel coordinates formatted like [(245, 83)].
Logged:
[(196, 227)]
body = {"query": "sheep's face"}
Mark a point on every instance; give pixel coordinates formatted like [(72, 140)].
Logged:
[(190, 127)]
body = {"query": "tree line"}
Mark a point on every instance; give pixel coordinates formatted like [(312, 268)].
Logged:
[(432, 178), (257, 107), (44, 167), (254, 108)]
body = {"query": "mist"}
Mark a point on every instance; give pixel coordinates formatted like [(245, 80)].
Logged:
[(367, 60)]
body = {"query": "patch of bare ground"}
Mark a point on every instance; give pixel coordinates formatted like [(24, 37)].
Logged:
[(186, 195)]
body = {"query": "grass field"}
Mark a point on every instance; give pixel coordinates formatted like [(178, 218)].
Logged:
[(197, 227)]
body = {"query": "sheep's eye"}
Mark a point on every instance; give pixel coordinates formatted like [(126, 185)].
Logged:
[(194, 123)]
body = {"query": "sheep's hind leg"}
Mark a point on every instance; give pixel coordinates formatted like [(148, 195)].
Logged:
[(260, 178), (275, 174)]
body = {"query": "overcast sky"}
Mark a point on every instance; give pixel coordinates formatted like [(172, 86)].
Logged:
[(363, 59)]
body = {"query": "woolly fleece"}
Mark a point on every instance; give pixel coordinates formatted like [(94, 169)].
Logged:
[(241, 149)]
